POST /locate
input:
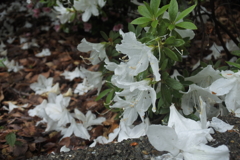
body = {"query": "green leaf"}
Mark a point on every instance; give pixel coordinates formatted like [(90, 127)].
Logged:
[(154, 23), (11, 138), (162, 10), (170, 40), (184, 13), (233, 64), (171, 27), (164, 64), (102, 94), (164, 110), (138, 31), (110, 96), (178, 42), (104, 35), (149, 9), (166, 94), (217, 64), (131, 28), (144, 12), (173, 10), (203, 64), (141, 20), (236, 53), (154, 5), (174, 84), (170, 53), (186, 25)]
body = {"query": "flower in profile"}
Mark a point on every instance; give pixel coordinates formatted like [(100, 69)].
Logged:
[(89, 7), (64, 13), (190, 100), (205, 77), (97, 50), (140, 55)]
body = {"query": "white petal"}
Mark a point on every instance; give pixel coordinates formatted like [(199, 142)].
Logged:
[(163, 138)]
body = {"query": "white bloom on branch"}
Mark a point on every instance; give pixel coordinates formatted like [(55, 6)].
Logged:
[(140, 55), (97, 50), (216, 52), (64, 13), (205, 77), (89, 7)]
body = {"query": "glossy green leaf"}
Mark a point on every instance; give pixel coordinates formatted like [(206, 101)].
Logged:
[(141, 20), (110, 96), (168, 52), (162, 10), (144, 12), (184, 13), (186, 25), (174, 84), (104, 35), (102, 94), (164, 64), (131, 28), (154, 5), (233, 64), (154, 23), (171, 27), (170, 40), (236, 53), (173, 10)]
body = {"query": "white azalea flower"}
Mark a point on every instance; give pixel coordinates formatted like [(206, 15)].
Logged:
[(57, 111), (104, 140), (190, 99), (71, 75), (205, 77), (45, 52), (89, 7), (229, 86), (138, 98), (12, 65), (77, 129), (88, 120), (83, 87), (140, 55), (184, 137), (64, 13), (97, 50), (44, 85), (93, 78), (137, 131), (216, 51), (10, 40)]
